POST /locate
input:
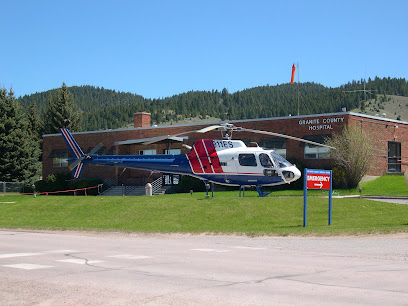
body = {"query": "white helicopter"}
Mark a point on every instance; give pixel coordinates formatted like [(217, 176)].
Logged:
[(225, 161)]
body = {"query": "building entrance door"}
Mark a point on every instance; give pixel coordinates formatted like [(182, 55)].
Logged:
[(394, 156)]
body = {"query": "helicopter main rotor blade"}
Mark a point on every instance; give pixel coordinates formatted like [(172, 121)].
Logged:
[(209, 128), (287, 136), (160, 138)]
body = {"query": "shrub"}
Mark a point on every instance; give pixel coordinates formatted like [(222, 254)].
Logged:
[(339, 178), (188, 183), (63, 181)]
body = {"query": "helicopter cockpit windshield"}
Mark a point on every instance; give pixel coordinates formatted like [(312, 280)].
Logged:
[(279, 160)]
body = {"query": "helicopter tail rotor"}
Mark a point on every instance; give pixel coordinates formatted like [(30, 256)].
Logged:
[(76, 152)]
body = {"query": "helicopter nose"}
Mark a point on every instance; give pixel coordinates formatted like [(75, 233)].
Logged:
[(297, 173), (291, 174)]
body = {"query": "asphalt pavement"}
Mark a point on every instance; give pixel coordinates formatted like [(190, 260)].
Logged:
[(82, 268), (396, 200)]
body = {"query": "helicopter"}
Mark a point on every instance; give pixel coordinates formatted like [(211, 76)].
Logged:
[(222, 161)]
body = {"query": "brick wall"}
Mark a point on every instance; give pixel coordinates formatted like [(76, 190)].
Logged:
[(141, 119), (381, 133), (298, 126)]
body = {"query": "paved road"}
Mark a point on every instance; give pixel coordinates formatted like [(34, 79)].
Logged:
[(54, 268), (390, 200)]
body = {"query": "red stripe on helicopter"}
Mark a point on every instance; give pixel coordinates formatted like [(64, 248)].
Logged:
[(212, 153), (203, 156), (194, 161), (78, 170), (207, 155), (70, 142)]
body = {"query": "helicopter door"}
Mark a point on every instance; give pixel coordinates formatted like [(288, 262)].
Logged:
[(247, 163), (228, 162)]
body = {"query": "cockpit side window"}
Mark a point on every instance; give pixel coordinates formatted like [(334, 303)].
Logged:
[(265, 160), (280, 161), (247, 160)]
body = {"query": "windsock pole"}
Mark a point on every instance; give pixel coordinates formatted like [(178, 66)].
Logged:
[(298, 87)]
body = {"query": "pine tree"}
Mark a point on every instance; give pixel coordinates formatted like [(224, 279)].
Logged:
[(34, 124), (19, 152), (61, 112)]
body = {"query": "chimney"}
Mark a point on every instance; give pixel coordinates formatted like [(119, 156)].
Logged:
[(141, 119)]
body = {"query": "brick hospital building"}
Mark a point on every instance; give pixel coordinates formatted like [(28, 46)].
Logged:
[(390, 139)]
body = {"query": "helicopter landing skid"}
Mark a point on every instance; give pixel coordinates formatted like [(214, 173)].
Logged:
[(261, 194)]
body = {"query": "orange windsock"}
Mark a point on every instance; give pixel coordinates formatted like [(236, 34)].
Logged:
[(293, 74)]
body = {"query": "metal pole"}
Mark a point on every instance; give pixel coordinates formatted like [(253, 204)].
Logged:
[(305, 198), (297, 64), (330, 199)]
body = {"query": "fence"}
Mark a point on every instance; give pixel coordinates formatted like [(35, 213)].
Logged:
[(157, 184), (73, 191), (11, 187)]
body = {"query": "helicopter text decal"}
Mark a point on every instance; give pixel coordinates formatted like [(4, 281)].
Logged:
[(224, 144)]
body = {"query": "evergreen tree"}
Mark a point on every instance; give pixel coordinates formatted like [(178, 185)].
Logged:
[(34, 123), (362, 105), (104, 108), (61, 112), (19, 151)]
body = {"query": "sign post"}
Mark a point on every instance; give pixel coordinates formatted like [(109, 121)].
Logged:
[(316, 179)]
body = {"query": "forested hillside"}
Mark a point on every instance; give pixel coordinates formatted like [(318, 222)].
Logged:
[(108, 109)]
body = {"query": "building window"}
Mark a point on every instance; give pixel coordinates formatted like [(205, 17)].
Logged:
[(316, 152), (112, 151), (60, 162), (247, 160), (277, 144), (59, 158), (171, 179), (394, 156), (172, 151), (147, 152)]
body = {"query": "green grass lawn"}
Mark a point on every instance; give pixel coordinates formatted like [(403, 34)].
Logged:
[(387, 185), (281, 213), (226, 213)]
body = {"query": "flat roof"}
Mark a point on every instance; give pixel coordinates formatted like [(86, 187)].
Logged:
[(237, 120), (153, 139)]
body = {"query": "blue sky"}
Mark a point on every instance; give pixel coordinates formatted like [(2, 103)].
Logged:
[(161, 48)]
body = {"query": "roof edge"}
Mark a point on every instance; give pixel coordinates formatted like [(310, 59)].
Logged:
[(236, 121)]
